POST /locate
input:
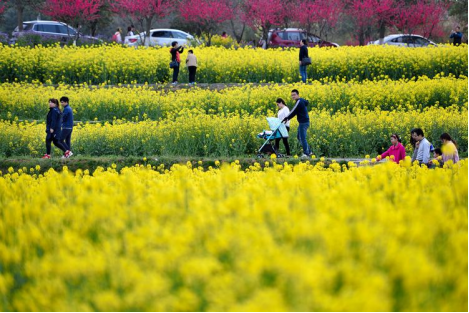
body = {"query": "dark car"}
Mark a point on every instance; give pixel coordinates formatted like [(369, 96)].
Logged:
[(291, 37), (50, 30)]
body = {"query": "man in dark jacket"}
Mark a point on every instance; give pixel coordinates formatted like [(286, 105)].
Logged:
[(457, 36), (53, 128), (303, 54), (301, 112), (67, 126)]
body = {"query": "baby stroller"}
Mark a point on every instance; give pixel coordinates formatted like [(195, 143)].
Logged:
[(277, 130)]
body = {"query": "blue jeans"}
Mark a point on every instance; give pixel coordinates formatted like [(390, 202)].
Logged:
[(303, 73), (302, 128)]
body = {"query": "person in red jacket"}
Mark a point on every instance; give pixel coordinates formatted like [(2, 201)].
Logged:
[(396, 152)]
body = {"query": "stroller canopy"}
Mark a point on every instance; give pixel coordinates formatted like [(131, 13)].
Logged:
[(275, 123)]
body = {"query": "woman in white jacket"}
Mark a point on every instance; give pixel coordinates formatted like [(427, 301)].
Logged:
[(283, 112)]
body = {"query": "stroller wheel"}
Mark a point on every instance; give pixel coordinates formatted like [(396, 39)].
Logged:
[(260, 156)]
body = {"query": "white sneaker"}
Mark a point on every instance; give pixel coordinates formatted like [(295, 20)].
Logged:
[(70, 153), (304, 156), (174, 84)]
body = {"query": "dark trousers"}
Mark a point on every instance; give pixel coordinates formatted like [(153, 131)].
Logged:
[(175, 73), (66, 138), (192, 71), (52, 138), (285, 143)]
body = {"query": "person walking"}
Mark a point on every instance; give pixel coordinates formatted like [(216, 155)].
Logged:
[(117, 37), (449, 148), (283, 112), (423, 153), (53, 128), (67, 126), (301, 112)]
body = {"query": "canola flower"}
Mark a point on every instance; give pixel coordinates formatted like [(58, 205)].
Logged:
[(380, 238), (343, 134), (119, 64), (28, 101)]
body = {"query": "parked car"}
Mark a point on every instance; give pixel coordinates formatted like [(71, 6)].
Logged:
[(291, 37), (160, 37), (51, 30), (404, 41)]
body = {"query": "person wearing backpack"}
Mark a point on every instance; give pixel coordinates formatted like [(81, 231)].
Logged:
[(53, 128), (301, 112)]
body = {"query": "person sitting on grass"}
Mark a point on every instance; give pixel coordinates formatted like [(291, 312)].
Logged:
[(396, 152), (449, 148), (423, 153)]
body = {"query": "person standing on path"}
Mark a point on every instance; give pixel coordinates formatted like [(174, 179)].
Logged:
[(176, 51), (191, 63), (303, 54), (449, 148)]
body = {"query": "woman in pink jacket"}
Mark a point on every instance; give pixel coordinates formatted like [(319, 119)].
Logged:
[(396, 152)]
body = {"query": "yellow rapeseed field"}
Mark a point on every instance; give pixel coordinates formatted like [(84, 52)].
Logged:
[(119, 64), (30, 101), (282, 238), (192, 133)]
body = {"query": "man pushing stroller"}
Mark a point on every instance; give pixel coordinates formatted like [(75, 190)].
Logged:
[(301, 112)]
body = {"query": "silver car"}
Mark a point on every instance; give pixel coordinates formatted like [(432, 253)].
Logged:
[(50, 30), (160, 37), (404, 41)]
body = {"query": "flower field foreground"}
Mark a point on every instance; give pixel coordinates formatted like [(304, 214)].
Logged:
[(29, 101), (194, 134), (119, 64), (285, 238)]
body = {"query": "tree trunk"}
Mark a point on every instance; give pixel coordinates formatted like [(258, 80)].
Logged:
[(94, 28), (265, 35), (382, 32), (238, 37), (147, 30), (19, 11), (361, 37), (209, 36)]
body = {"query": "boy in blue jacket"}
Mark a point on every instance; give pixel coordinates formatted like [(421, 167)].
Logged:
[(67, 126)]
